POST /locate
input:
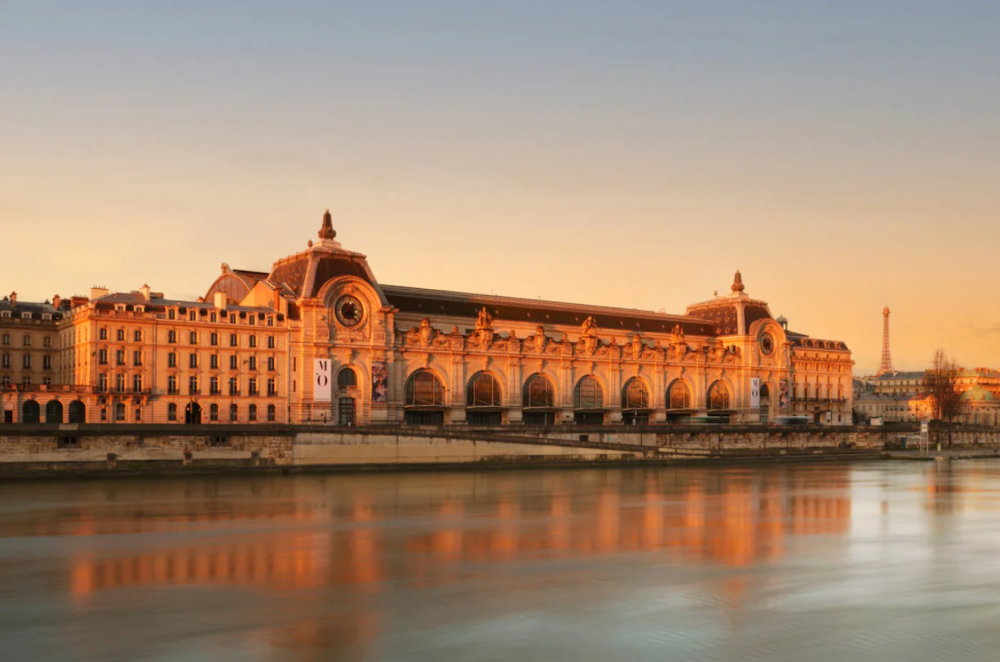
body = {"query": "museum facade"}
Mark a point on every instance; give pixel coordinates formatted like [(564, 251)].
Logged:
[(318, 340)]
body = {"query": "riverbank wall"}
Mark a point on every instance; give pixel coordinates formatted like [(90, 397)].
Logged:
[(71, 450)]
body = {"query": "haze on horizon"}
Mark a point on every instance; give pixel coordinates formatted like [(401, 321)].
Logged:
[(843, 155)]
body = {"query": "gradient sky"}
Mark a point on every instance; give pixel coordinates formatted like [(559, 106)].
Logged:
[(842, 154)]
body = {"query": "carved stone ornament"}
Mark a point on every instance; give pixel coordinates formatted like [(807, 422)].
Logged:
[(588, 345), (677, 335), (637, 346), (426, 332), (589, 327), (539, 341)]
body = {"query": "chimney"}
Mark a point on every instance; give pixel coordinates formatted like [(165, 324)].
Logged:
[(56, 300), (98, 292), (220, 300), (13, 297), (144, 290)]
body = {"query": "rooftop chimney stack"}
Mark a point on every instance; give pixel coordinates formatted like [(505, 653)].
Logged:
[(13, 297), (144, 290), (56, 300)]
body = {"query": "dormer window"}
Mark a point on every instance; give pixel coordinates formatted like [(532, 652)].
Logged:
[(46, 316), (4, 313), (140, 309), (120, 307), (26, 316)]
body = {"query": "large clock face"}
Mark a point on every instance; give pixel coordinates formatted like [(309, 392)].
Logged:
[(766, 342), (349, 310)]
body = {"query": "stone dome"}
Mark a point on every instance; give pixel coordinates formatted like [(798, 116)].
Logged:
[(978, 395)]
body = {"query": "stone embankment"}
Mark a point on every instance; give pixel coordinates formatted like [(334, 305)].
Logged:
[(119, 449)]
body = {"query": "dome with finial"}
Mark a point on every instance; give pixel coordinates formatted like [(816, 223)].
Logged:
[(326, 232), (737, 285), (783, 321)]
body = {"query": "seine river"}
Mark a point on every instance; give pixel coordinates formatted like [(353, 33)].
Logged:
[(870, 561)]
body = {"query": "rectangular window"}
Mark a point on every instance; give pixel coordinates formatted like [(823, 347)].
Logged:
[(137, 383), (234, 362), (171, 336), (253, 340), (119, 357), (26, 341), (47, 381), (120, 383), (272, 390), (213, 386), (121, 335), (193, 385), (102, 382), (137, 336), (233, 340), (47, 363), (270, 410), (137, 358), (26, 382), (26, 361), (171, 314), (6, 360), (214, 361), (253, 319), (102, 333), (172, 360), (102, 356), (212, 317), (234, 387), (47, 342), (193, 315), (270, 321), (193, 360), (233, 412), (252, 386), (214, 339), (172, 385), (270, 363), (193, 337), (270, 342), (253, 362)]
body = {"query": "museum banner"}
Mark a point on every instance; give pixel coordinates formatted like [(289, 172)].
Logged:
[(380, 382), (322, 373)]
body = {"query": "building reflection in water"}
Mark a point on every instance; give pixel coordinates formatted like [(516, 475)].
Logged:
[(371, 534)]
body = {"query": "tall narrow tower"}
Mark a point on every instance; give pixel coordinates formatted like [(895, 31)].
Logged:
[(886, 365)]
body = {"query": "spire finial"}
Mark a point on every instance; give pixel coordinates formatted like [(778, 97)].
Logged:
[(738, 282), (327, 231)]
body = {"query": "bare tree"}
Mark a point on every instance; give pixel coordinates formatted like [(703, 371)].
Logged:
[(940, 383)]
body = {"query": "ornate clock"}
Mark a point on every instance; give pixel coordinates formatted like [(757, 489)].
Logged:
[(349, 310), (766, 342)]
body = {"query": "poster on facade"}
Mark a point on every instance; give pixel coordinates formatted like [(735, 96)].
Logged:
[(380, 382), (322, 373), (783, 394), (755, 392)]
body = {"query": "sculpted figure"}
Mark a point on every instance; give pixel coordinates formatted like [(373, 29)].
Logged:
[(677, 335), (589, 327), (426, 332), (484, 321), (637, 346), (539, 340)]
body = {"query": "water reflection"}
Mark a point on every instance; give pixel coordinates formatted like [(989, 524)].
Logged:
[(348, 562)]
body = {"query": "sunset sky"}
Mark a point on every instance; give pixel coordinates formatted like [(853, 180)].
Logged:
[(843, 155)]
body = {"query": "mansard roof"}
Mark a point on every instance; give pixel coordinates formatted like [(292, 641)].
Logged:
[(431, 303), (36, 310)]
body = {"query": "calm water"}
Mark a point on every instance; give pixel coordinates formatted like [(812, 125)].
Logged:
[(862, 562)]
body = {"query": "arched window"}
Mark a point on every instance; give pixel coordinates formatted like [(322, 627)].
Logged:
[(678, 396), (252, 413), (53, 412), (347, 378), (424, 389), (484, 391), (539, 392), (765, 392), (120, 411), (213, 412), (635, 395), (30, 412), (588, 394), (718, 396), (172, 412), (271, 413), (234, 412), (77, 412)]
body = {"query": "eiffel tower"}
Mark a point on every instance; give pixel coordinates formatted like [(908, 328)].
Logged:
[(886, 366)]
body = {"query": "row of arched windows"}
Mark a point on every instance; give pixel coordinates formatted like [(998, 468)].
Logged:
[(424, 389)]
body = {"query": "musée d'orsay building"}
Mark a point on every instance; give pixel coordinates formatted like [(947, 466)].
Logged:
[(318, 339)]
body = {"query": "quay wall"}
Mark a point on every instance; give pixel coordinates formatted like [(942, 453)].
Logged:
[(38, 450)]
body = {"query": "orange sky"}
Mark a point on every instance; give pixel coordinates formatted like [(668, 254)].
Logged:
[(632, 158)]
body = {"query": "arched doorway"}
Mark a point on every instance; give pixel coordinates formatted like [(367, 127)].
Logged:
[(30, 412), (679, 408), (635, 402), (539, 401), (484, 403), (53, 412), (424, 399), (588, 402), (765, 403), (77, 412), (192, 413)]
